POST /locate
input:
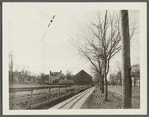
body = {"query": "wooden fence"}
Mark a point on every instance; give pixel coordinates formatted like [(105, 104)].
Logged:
[(33, 97)]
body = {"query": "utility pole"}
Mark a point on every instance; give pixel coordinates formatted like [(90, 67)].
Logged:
[(126, 65)]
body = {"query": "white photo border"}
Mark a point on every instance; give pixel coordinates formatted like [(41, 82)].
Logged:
[(141, 6)]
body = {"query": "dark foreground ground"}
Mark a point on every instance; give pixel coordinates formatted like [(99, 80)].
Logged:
[(96, 99)]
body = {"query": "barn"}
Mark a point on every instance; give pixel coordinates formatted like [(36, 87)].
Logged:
[(82, 78)]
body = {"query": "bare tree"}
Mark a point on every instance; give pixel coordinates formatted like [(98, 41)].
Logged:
[(17, 68), (69, 75), (102, 43), (42, 77), (119, 73), (24, 69), (98, 75)]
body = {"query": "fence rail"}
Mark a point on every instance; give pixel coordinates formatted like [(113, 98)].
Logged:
[(33, 97)]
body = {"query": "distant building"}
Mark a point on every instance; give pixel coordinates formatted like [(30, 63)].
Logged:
[(55, 77), (46, 79), (82, 78), (16, 76), (135, 79)]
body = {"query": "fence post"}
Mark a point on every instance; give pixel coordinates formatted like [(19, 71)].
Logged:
[(30, 99), (70, 89), (59, 92), (48, 94), (66, 90)]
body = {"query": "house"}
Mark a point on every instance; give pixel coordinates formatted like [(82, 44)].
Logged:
[(16, 76), (25, 77), (46, 79), (55, 77), (135, 75), (82, 78), (33, 78), (19, 77), (135, 79)]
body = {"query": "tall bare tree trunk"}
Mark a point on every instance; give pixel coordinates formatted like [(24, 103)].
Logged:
[(126, 67), (106, 89), (106, 85), (120, 79), (102, 84), (105, 59)]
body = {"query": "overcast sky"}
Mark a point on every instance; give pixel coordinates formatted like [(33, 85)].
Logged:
[(25, 25)]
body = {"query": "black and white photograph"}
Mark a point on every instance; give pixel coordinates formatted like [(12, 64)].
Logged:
[(74, 58)]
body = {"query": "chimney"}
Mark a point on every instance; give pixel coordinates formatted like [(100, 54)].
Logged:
[(50, 72), (61, 71)]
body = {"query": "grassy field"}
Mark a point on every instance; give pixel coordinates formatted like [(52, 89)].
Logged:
[(117, 91), (15, 85), (96, 100)]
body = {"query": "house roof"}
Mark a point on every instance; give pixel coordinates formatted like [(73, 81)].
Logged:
[(81, 75), (57, 73), (54, 73), (82, 78), (83, 72)]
